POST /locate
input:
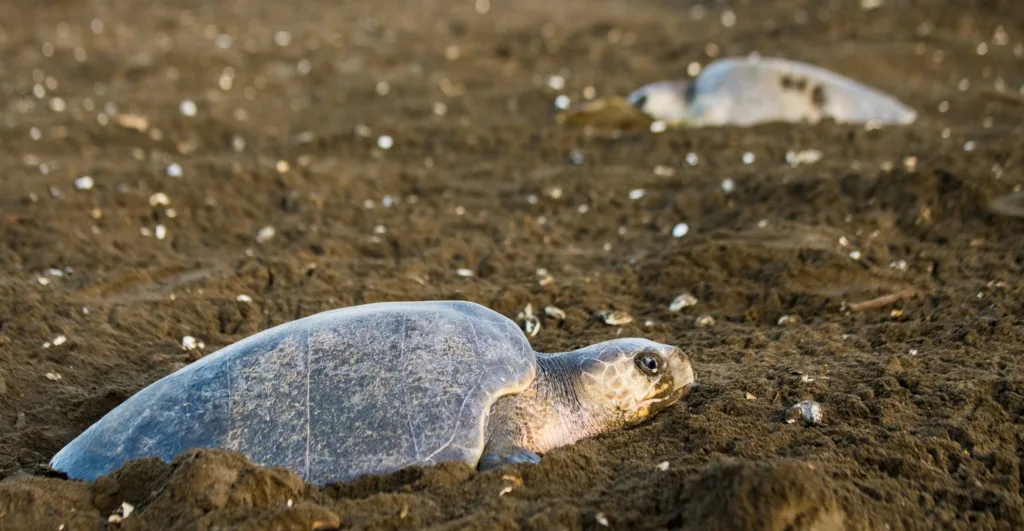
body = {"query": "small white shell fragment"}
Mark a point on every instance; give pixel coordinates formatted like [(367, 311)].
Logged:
[(123, 512), (243, 298), (159, 199), (505, 491), (704, 321), (191, 343), (554, 312), (786, 320), (265, 234), (662, 466), (464, 272), (728, 18), (385, 142), (898, 264), (683, 301), (60, 340), (637, 193), (53, 377), (174, 170), (728, 185), (807, 156), (855, 255), (680, 230), (562, 102), (616, 318), (160, 232), (750, 396), (133, 121), (187, 108), (692, 159), (910, 163), (659, 126), (749, 158), (531, 324), (808, 411), (601, 519), (84, 183), (43, 280), (556, 82)]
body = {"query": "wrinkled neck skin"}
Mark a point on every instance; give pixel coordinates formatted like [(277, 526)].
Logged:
[(551, 412)]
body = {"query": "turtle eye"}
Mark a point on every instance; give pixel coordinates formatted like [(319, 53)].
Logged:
[(649, 364), (640, 101)]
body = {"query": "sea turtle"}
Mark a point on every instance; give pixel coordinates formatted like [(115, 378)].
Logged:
[(745, 91), (375, 388)]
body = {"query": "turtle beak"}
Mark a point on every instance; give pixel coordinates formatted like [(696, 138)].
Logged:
[(681, 371)]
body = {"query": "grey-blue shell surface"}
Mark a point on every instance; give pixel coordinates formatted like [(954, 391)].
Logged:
[(362, 390)]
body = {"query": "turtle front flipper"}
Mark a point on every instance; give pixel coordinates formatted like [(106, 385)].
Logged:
[(499, 455), (509, 430)]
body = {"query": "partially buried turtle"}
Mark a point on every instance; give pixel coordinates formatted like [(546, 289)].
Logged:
[(746, 91), (375, 388)]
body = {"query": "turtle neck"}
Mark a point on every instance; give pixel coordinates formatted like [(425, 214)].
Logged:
[(563, 418)]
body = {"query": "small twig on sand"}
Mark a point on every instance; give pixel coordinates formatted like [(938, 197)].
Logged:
[(882, 301)]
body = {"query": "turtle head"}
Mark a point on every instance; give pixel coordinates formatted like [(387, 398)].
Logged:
[(667, 101), (629, 380)]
